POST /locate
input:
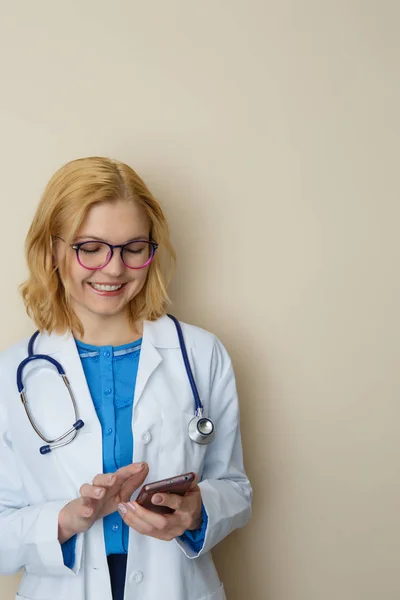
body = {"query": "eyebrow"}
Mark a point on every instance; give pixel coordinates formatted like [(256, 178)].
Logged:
[(93, 237)]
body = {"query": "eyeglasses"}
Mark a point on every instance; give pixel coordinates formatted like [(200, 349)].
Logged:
[(93, 254)]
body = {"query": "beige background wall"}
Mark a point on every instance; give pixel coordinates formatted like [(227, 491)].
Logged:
[(270, 131)]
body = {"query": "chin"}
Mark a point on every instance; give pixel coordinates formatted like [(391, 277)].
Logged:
[(109, 312)]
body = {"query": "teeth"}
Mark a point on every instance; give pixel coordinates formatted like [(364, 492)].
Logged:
[(106, 288)]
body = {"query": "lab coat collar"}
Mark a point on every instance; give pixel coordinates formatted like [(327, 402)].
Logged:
[(159, 334)]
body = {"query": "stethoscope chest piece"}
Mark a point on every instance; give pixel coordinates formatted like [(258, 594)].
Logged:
[(201, 430)]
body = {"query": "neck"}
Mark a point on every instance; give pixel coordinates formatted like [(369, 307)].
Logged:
[(115, 330)]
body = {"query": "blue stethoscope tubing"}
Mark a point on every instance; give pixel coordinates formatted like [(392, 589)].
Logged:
[(201, 429), (71, 433)]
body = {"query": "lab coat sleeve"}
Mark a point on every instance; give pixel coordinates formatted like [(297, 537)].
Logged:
[(68, 551), (28, 533), (195, 538), (225, 489)]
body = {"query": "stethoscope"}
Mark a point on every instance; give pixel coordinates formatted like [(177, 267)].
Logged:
[(201, 429)]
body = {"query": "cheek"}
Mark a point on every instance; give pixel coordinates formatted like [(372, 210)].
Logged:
[(75, 274), (139, 280)]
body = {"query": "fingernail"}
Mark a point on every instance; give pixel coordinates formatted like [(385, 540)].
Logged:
[(122, 509), (111, 478), (131, 506), (157, 499), (88, 512), (98, 492)]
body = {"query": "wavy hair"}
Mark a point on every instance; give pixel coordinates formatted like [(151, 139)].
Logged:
[(69, 195)]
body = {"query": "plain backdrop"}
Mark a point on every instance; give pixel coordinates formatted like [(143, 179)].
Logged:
[(270, 133)]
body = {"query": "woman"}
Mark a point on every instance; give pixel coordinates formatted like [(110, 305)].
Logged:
[(98, 253)]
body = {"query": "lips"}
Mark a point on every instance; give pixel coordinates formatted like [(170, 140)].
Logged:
[(107, 290), (106, 287)]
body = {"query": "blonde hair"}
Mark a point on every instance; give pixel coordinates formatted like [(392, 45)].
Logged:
[(69, 195)]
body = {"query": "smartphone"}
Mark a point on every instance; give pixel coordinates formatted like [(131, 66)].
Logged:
[(179, 484)]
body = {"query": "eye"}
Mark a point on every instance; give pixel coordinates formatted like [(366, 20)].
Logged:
[(137, 248), (92, 247)]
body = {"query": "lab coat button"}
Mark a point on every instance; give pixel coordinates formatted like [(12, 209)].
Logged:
[(137, 576), (146, 437)]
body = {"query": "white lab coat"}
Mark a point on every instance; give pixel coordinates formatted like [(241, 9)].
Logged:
[(33, 488)]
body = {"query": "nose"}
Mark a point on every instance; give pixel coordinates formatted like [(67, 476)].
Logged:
[(115, 268)]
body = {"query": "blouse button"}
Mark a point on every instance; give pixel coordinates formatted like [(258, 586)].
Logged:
[(106, 354)]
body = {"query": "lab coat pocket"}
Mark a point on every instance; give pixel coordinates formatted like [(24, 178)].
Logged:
[(218, 595), (178, 453)]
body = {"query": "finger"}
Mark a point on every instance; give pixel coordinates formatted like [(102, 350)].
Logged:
[(194, 483), (91, 491), (154, 519), (171, 500), (108, 480), (86, 508), (167, 533), (85, 512), (132, 484), (135, 522), (104, 480), (134, 469)]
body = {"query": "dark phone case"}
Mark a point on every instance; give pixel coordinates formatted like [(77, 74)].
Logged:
[(174, 485)]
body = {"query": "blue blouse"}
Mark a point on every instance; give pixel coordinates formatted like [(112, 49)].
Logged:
[(111, 376)]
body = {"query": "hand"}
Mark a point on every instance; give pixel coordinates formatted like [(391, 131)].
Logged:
[(187, 515), (99, 499)]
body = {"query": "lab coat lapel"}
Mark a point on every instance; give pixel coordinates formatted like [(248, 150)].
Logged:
[(156, 334), (149, 360), (82, 458)]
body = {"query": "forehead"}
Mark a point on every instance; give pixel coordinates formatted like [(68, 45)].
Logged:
[(115, 222)]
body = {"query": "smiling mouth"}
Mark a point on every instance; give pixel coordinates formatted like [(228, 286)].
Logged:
[(102, 287)]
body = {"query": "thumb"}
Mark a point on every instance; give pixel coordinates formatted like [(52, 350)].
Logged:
[(194, 487)]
